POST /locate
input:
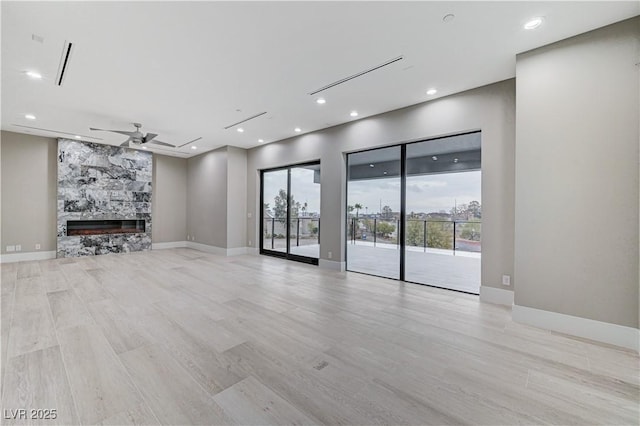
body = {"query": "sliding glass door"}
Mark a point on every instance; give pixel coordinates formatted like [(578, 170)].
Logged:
[(290, 216), (425, 226), (373, 207)]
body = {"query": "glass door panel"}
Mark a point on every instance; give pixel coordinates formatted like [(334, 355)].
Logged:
[(304, 221), (275, 198), (373, 210), (443, 213)]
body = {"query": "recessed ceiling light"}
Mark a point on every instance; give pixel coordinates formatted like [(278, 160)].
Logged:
[(194, 147), (431, 92), (240, 129), (354, 113), (455, 160), (533, 23), (371, 165), (144, 147), (384, 173), (321, 101), (78, 137), (434, 158), (260, 140), (30, 116), (34, 75), (297, 129)]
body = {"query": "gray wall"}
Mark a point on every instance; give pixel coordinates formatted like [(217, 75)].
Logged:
[(237, 197), (576, 247), (490, 109), (169, 199), (29, 172), (207, 198)]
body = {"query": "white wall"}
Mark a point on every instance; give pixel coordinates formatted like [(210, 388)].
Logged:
[(576, 230), (490, 109)]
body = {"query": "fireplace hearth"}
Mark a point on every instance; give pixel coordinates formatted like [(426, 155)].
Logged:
[(102, 227)]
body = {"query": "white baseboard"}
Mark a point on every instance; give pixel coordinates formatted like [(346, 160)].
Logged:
[(614, 334), (238, 251), (220, 251), (22, 257), (169, 245), (207, 248), (499, 296), (331, 264)]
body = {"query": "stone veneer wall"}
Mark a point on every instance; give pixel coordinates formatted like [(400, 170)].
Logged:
[(102, 182)]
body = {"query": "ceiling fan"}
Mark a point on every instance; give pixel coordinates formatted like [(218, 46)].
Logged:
[(137, 137)]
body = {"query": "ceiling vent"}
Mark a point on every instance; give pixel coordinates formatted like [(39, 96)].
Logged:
[(245, 120), (64, 62), (356, 75), (184, 144), (55, 131)]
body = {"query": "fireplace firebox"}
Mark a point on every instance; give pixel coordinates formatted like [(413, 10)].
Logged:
[(99, 227)]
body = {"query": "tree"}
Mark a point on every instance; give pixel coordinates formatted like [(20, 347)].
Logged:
[(387, 213), (385, 228), (470, 231), (350, 209), (313, 228), (358, 207), (475, 209), (414, 234), (440, 235), (280, 208)]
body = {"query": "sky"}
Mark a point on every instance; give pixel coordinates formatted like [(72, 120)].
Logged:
[(303, 188), (425, 194)]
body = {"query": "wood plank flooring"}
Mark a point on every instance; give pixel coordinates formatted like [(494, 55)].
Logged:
[(184, 337)]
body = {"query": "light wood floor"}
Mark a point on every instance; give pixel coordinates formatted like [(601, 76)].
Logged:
[(183, 337)]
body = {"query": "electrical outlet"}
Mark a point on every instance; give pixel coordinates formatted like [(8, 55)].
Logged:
[(188, 237), (330, 255), (506, 280), (37, 246), (18, 247), (11, 248)]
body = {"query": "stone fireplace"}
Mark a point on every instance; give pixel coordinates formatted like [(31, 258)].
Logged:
[(104, 199)]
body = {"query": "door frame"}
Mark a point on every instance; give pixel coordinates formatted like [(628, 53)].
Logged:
[(403, 203), (287, 254)]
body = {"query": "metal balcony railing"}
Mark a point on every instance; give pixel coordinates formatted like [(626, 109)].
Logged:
[(456, 235), (305, 231)]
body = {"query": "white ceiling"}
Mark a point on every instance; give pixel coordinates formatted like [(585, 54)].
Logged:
[(187, 70)]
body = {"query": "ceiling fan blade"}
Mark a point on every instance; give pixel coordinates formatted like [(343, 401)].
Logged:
[(162, 143), (148, 137), (122, 132)]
